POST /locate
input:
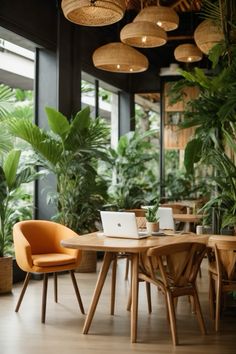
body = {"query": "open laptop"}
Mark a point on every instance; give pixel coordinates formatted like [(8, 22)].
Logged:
[(166, 220), (121, 224)]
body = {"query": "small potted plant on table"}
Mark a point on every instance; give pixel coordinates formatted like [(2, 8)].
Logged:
[(152, 223)]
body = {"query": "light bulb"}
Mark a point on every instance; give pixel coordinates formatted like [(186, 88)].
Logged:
[(131, 69), (118, 66), (144, 39), (189, 58), (159, 23)]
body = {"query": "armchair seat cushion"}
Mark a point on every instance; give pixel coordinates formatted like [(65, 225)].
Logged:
[(52, 259)]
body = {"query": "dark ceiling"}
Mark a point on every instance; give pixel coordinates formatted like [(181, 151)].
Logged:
[(37, 21), (188, 11)]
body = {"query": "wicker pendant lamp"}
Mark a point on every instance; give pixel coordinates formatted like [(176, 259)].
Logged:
[(164, 17), (206, 35), (187, 53), (93, 12), (119, 57), (143, 34)]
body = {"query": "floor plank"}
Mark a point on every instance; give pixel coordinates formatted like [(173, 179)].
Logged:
[(23, 333)]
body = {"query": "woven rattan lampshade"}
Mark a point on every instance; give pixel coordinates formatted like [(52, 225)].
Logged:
[(206, 35), (187, 53), (93, 12), (119, 57), (165, 17), (143, 34)]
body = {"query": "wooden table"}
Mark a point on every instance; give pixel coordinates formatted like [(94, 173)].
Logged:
[(188, 219), (112, 246)]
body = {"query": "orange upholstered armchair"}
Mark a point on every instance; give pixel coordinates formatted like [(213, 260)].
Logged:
[(38, 250)]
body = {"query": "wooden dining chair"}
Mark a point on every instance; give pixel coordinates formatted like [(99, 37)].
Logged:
[(38, 250), (173, 269), (222, 273)]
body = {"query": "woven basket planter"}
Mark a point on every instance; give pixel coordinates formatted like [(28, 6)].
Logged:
[(5, 275), (88, 262)]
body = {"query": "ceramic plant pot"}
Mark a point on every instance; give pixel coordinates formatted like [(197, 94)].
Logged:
[(152, 227)]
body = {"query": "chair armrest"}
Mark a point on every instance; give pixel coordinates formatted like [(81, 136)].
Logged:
[(22, 248)]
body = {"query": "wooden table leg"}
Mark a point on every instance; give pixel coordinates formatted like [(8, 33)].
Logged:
[(113, 285), (108, 257), (134, 305)]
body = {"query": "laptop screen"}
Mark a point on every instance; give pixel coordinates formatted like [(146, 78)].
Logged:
[(120, 224)]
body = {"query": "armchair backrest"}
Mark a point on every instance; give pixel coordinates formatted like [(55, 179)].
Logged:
[(44, 236)]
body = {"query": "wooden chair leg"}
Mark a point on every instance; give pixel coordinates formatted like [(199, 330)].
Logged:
[(200, 272), (199, 311), (113, 285), (171, 311), (74, 282), (55, 287), (44, 298), (218, 305), (149, 300), (26, 282), (127, 268), (211, 296), (129, 301)]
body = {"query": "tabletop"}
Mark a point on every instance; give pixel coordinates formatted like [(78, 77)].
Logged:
[(97, 242)]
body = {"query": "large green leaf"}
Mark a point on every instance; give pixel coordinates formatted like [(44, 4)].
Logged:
[(3, 186), (27, 175), (44, 144), (6, 100), (57, 122), (192, 154), (10, 167), (5, 140), (81, 120)]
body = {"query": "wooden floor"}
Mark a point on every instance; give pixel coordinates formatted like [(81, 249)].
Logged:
[(23, 333)]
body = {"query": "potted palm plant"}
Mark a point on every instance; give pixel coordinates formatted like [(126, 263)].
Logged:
[(12, 175), (71, 150)]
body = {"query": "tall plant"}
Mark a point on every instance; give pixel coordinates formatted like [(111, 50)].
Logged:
[(12, 176), (70, 150), (135, 164), (213, 113)]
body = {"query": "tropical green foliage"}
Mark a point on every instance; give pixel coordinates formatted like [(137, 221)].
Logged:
[(70, 150), (135, 163), (151, 214), (224, 202), (213, 114), (12, 209), (6, 100)]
